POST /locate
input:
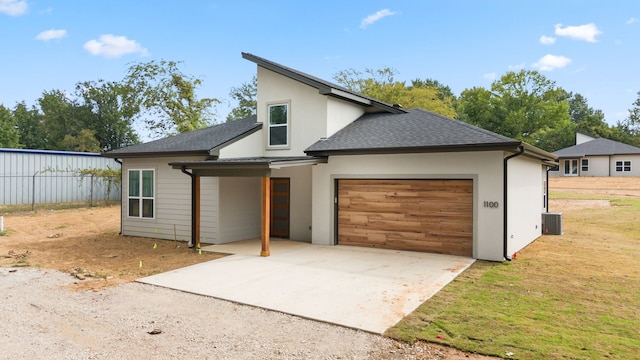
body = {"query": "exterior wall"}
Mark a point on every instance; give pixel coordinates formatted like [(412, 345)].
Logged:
[(240, 209), (484, 168), (307, 111), (598, 166), (248, 146), (172, 203), (300, 219), (340, 114), (583, 138), (635, 165), (39, 176), (525, 190)]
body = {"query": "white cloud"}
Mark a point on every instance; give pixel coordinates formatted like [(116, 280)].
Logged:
[(632, 20), (369, 20), (490, 76), (551, 62), (112, 46), (13, 7), (517, 66), (587, 32), (51, 34), (547, 40)]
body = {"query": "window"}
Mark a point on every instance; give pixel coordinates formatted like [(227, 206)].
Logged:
[(571, 167), (623, 166), (585, 164), (141, 193), (278, 125)]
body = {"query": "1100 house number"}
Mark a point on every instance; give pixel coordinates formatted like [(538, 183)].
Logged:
[(491, 204)]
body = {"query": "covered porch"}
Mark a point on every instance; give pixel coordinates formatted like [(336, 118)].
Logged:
[(283, 200)]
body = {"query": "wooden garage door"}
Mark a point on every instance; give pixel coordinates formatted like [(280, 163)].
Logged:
[(416, 215)]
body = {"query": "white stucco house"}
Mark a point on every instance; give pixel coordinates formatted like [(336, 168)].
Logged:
[(323, 164), (597, 157)]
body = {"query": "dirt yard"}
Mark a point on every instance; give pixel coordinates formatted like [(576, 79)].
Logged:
[(85, 244)]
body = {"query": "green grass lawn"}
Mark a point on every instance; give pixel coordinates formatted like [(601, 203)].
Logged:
[(575, 296)]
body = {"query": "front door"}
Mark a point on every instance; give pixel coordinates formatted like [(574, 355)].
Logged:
[(280, 207)]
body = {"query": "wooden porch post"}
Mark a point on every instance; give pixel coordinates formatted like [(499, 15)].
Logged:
[(196, 215), (266, 215)]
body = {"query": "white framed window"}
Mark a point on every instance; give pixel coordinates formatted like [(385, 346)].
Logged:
[(141, 199), (585, 165), (623, 165), (278, 125), (571, 167)]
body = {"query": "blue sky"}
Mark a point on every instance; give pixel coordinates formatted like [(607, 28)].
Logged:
[(589, 47)]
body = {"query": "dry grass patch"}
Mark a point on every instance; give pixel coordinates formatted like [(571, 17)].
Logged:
[(85, 243)]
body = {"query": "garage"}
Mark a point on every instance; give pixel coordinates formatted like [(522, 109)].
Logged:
[(434, 215)]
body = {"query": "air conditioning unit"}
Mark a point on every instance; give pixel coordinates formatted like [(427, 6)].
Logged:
[(552, 223)]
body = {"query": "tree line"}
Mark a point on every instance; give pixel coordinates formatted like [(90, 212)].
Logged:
[(157, 95)]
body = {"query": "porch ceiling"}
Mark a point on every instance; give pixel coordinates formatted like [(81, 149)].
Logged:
[(244, 167)]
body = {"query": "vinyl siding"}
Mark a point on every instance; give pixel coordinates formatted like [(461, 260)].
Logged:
[(172, 203)]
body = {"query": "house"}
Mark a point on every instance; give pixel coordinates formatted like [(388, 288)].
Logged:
[(597, 157), (326, 165)]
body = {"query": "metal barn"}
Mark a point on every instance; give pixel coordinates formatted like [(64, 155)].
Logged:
[(44, 176)]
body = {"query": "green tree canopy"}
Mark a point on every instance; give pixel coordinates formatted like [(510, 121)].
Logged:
[(522, 105), (111, 110), (169, 97), (30, 128), (245, 96), (381, 85), (9, 136)]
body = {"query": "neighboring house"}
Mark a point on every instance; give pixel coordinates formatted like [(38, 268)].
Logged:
[(323, 164), (597, 157), (48, 176)]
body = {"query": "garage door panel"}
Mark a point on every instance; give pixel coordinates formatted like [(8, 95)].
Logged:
[(416, 215)]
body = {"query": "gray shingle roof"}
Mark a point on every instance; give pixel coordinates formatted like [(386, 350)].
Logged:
[(323, 86), (416, 130), (198, 142), (596, 147)]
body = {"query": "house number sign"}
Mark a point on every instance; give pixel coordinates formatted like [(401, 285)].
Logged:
[(491, 204)]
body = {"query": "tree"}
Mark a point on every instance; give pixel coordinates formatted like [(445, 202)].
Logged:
[(169, 97), (381, 85), (111, 109), (9, 137), (628, 130), (29, 125), (60, 117), (522, 105), (245, 96)]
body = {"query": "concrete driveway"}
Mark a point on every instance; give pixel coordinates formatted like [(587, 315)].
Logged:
[(361, 288)]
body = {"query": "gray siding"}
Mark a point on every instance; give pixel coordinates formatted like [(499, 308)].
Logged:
[(172, 203), (40, 176)]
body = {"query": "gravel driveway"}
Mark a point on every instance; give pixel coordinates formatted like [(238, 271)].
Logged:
[(42, 319)]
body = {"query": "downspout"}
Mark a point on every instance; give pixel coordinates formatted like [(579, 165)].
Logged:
[(546, 191), (193, 206), (121, 197), (504, 201)]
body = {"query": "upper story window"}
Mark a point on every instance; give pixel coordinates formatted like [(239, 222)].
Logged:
[(141, 193), (278, 125), (623, 166)]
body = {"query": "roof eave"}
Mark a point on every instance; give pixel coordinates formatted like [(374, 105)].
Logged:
[(509, 146), (149, 154)]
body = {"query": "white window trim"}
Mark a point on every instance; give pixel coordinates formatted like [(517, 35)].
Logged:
[(565, 167), (583, 166), (269, 126), (623, 165), (140, 217)]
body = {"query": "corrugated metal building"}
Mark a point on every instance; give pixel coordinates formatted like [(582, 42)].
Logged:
[(43, 176)]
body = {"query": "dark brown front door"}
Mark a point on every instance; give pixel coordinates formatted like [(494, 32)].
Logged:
[(280, 207)]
